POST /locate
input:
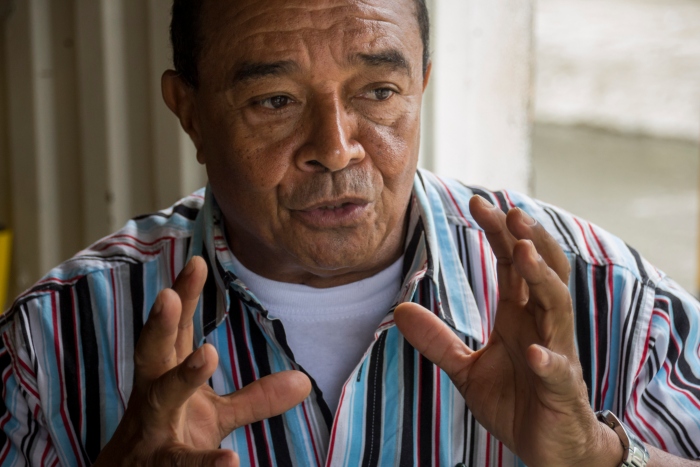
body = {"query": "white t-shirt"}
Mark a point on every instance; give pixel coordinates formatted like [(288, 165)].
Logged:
[(330, 329)]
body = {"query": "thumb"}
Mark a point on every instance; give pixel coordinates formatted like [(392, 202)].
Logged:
[(434, 339), (265, 398)]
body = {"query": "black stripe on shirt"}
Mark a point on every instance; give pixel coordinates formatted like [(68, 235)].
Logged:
[(681, 325), (564, 232), (137, 299), (408, 378), (640, 264), (484, 194), (373, 421), (28, 440), (600, 277), (426, 381), (276, 423), (471, 429), (93, 406), (447, 312), (502, 201), (71, 374), (583, 326), (689, 448), (426, 410), (245, 368), (410, 252), (209, 297)]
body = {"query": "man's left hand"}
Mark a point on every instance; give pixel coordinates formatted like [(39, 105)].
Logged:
[(525, 386)]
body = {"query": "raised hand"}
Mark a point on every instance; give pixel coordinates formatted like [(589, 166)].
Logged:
[(173, 417), (526, 385)]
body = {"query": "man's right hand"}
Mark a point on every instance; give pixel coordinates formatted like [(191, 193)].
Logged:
[(173, 417)]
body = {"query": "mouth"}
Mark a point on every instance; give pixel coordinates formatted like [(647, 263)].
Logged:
[(335, 204), (334, 213)]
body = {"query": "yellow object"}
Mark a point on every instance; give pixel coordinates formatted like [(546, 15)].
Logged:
[(5, 249)]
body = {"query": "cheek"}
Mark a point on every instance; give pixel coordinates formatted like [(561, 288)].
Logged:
[(249, 164), (394, 149)]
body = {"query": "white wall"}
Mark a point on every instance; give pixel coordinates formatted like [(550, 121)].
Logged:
[(478, 108), (628, 65)]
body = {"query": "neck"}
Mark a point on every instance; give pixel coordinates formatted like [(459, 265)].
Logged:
[(281, 266)]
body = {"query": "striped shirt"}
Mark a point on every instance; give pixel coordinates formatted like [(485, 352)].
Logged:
[(67, 344)]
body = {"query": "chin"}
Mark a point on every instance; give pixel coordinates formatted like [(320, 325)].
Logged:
[(338, 256)]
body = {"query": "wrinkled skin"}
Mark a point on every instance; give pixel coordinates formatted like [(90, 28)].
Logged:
[(320, 109)]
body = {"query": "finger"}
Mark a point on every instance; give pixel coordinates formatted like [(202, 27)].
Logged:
[(154, 353), (559, 375), (263, 399), (169, 392), (188, 286), (493, 221), (435, 340), (549, 297), (524, 226), (184, 456)]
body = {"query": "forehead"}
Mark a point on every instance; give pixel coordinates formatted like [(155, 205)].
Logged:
[(253, 30)]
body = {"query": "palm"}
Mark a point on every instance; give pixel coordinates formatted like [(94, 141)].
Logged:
[(490, 389), (500, 387), (200, 424)]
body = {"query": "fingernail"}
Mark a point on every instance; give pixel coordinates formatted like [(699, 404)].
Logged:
[(189, 268), (533, 251), (485, 203), (197, 360), (526, 218), (544, 357), (157, 306)]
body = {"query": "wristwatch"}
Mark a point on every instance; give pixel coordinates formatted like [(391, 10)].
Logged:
[(636, 454)]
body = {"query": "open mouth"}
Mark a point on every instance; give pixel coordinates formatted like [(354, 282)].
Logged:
[(334, 214), (334, 206)]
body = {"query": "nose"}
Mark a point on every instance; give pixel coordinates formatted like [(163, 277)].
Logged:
[(331, 144)]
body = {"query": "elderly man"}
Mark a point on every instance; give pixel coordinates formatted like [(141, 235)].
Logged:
[(314, 227)]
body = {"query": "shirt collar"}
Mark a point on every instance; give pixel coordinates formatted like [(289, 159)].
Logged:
[(456, 304), (429, 251)]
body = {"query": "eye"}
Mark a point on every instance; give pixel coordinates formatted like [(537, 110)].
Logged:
[(379, 94), (275, 102)]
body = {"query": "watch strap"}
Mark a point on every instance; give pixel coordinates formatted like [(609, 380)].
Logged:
[(636, 454)]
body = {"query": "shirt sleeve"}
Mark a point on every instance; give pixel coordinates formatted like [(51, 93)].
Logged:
[(24, 439), (664, 407)]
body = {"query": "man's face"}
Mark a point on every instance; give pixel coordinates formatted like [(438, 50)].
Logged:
[(307, 117)]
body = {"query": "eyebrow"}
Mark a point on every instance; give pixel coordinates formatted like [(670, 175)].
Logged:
[(249, 71), (391, 58), (254, 70)]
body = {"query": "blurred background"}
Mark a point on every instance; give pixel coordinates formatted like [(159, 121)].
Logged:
[(591, 105)]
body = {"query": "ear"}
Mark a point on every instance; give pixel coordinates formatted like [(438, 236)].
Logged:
[(180, 99), (426, 75)]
